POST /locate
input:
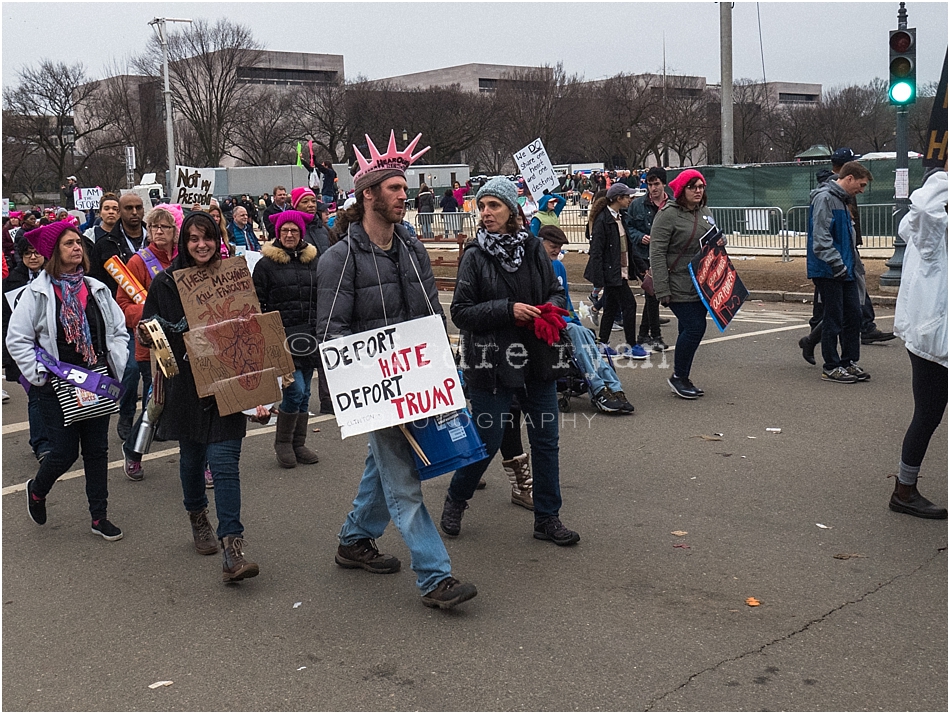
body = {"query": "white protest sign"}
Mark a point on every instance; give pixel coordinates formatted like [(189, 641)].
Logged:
[(6, 208), (392, 375), (193, 186), (535, 167), (87, 198)]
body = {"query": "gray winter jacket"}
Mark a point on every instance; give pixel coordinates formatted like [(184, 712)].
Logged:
[(360, 287)]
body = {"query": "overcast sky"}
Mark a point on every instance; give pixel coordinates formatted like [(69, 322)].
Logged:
[(827, 43)]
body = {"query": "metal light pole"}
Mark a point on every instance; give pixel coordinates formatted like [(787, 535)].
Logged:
[(891, 279), (159, 25), (725, 63)]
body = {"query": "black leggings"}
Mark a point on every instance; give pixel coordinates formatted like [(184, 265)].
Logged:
[(930, 402)]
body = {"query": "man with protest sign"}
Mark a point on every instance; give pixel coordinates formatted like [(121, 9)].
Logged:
[(125, 238), (374, 277)]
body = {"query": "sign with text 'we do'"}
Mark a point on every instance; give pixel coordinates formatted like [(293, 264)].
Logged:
[(391, 375), (536, 169)]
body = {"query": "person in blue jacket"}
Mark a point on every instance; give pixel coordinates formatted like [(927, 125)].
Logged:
[(549, 211), (831, 260)]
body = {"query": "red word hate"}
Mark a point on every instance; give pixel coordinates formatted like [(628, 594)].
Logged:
[(398, 361)]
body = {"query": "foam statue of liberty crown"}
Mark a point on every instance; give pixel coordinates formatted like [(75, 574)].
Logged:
[(380, 167)]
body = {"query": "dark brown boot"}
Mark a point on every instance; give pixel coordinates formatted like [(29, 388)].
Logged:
[(907, 499), (283, 439), (302, 454), (205, 541), (236, 566)]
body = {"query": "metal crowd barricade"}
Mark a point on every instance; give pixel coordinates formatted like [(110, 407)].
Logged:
[(877, 225), (756, 227)]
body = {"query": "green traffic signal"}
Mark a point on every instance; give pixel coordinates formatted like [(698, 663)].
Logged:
[(902, 87)]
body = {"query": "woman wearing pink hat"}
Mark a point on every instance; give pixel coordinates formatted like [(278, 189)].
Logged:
[(674, 241), (67, 327)]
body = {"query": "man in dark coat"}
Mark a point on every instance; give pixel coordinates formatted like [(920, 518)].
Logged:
[(378, 276)]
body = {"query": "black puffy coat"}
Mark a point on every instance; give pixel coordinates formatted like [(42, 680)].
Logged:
[(368, 299), (286, 281), (483, 309), (185, 415), (318, 235), (603, 264)]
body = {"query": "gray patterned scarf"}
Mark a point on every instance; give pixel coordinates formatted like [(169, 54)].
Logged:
[(508, 249)]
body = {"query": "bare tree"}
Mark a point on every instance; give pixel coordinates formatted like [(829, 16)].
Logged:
[(624, 124), (208, 90), (42, 109), (320, 111), (261, 136)]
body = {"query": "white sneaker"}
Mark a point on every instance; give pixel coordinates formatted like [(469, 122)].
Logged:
[(6, 397)]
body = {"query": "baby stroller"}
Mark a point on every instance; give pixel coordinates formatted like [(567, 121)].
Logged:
[(574, 384)]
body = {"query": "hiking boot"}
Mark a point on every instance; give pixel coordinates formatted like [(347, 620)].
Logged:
[(364, 554), (451, 520), (105, 528), (855, 371), (551, 528), (449, 593), (283, 439), (605, 402), (518, 471), (36, 507), (838, 375), (875, 335), (907, 499), (124, 427), (236, 566), (625, 406), (302, 454), (206, 542), (133, 469), (682, 388)]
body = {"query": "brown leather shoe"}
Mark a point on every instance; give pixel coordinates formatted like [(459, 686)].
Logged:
[(907, 499), (206, 542), (236, 566)]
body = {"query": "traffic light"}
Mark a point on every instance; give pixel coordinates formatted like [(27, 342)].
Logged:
[(902, 87)]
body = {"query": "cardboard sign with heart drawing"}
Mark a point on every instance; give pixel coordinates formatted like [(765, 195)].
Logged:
[(236, 353)]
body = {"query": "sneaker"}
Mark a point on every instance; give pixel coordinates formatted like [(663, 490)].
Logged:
[(617, 326), (106, 529), (209, 480), (682, 388), (625, 406), (635, 352), (552, 529), (839, 375), (644, 341), (35, 506), (606, 349), (364, 554), (698, 391), (875, 335), (6, 397), (451, 520), (855, 371), (449, 593), (659, 345), (605, 402), (595, 316), (133, 469)]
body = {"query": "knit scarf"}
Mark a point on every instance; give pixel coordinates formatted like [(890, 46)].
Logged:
[(507, 249), (73, 317)]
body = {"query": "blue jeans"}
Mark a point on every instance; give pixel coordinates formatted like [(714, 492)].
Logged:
[(223, 457), (391, 489), (592, 363), (490, 410), (297, 395), (90, 434), (130, 380), (842, 320), (691, 320), (39, 440)]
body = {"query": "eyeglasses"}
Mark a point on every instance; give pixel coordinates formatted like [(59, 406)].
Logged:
[(290, 231), (31, 254), (697, 187), (160, 227)]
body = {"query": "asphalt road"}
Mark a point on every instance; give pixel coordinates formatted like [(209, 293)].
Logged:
[(623, 621)]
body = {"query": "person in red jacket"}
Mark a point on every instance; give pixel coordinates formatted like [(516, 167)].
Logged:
[(162, 223)]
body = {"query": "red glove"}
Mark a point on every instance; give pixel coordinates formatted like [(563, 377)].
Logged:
[(544, 330)]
